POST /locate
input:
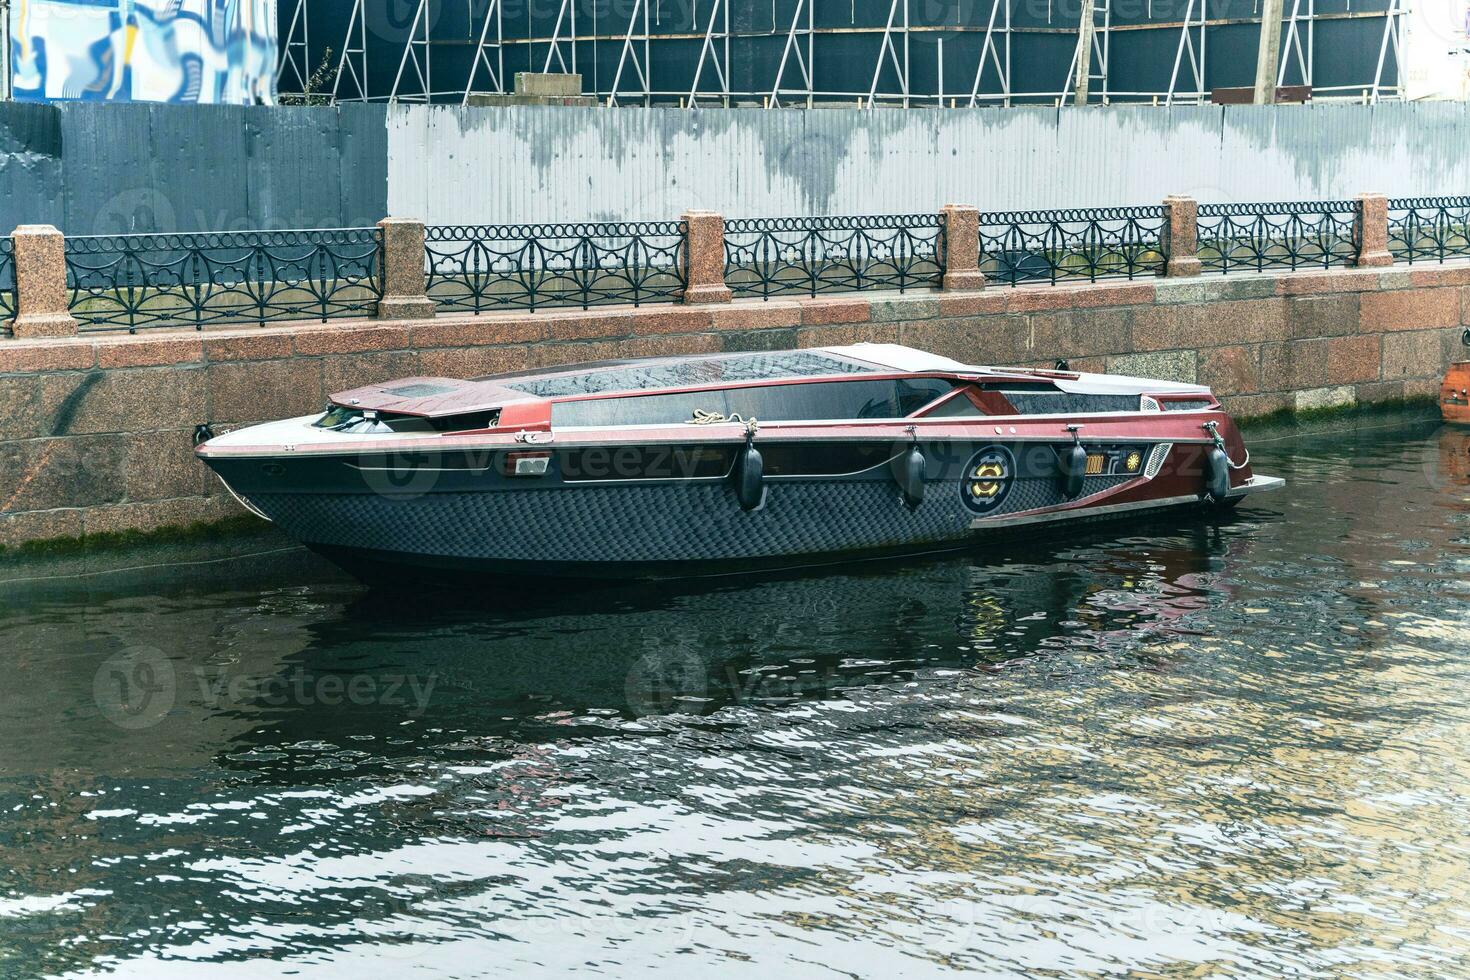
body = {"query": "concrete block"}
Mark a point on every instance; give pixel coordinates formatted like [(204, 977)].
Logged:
[(144, 351), (254, 346), (757, 340), (1416, 354), (1295, 364), (1082, 333), (1411, 309), (1323, 316), (556, 84), (999, 340), (848, 333), (820, 311), (71, 471), (1339, 396), (341, 372), (350, 340), (162, 464), (1176, 365), (51, 355), (1231, 370), (472, 362), (41, 298), (903, 309), (259, 391), (1353, 359)]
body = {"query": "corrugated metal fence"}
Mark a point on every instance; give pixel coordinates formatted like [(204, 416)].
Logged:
[(107, 169)]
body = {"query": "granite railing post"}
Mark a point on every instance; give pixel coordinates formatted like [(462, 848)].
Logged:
[(404, 282), (41, 306), (704, 258), (1180, 236), (961, 247), (1370, 229)]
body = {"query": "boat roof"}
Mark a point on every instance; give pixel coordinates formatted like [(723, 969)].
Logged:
[(431, 397)]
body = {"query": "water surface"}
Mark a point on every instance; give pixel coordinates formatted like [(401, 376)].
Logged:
[(1196, 746)]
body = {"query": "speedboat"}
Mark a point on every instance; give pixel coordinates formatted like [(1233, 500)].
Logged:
[(712, 464)]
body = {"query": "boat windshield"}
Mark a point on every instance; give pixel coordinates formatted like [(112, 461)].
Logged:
[(357, 421)]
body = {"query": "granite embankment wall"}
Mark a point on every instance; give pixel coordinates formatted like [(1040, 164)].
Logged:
[(95, 432)]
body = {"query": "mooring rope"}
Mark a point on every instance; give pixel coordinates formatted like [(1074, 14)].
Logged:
[(1212, 428)]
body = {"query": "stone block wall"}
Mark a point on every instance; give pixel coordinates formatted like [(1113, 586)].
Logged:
[(96, 432)]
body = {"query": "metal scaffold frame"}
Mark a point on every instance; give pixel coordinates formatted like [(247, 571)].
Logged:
[(494, 70), (793, 52), (293, 70), (1194, 46), (995, 55), (1393, 39), (355, 72), (566, 14), (631, 42), (715, 51), (1293, 42), (711, 79), (1094, 42), (888, 48)]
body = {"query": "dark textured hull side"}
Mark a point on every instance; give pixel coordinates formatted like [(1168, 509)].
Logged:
[(395, 567), (477, 521)]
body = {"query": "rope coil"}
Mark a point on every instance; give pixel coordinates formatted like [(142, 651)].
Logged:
[(702, 417)]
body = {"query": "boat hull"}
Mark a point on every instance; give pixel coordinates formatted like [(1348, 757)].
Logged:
[(455, 518), (389, 567)]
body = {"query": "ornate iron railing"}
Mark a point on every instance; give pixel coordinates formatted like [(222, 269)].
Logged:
[(768, 257), (487, 267), (127, 282), (7, 284), (1317, 234), (1088, 244), (1424, 229)]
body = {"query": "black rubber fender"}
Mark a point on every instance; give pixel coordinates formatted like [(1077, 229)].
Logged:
[(750, 478), (1217, 474), (1074, 468), (911, 469)]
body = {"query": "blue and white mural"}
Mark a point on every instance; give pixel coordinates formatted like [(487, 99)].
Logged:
[(214, 51)]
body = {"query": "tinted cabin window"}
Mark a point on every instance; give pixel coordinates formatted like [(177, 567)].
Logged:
[(857, 399), (1034, 402)]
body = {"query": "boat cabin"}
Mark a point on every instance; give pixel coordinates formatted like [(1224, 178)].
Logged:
[(869, 382)]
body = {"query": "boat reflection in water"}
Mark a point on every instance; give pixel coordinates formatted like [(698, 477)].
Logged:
[(723, 463)]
